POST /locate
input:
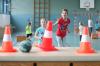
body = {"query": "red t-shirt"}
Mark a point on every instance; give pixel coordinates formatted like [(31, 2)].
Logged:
[(62, 27)]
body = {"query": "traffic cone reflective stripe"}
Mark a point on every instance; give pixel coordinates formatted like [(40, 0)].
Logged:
[(7, 37), (48, 34), (7, 41), (47, 39), (85, 45), (85, 38)]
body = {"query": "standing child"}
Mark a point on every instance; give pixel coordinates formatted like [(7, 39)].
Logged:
[(40, 31), (97, 26), (80, 29), (29, 30), (90, 25), (62, 28)]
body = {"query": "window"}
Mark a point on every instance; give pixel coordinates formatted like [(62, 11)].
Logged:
[(6, 6), (1, 6)]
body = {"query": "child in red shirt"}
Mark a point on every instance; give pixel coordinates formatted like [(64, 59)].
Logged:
[(62, 28)]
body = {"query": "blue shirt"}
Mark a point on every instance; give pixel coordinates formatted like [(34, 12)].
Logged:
[(97, 26), (40, 32)]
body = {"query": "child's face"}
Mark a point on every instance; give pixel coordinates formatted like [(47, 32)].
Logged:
[(64, 14), (43, 22)]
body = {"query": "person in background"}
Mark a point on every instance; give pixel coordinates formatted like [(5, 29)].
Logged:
[(97, 26), (80, 29), (29, 30), (90, 25), (40, 31), (62, 28)]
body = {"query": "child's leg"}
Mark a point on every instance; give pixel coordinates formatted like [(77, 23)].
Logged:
[(59, 41), (31, 35), (64, 41), (80, 37), (65, 44), (90, 31), (27, 35)]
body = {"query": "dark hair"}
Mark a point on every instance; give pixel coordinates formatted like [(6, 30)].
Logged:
[(29, 23), (81, 23), (42, 17), (65, 10)]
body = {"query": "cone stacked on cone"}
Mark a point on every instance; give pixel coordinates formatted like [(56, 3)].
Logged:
[(7, 41), (47, 39), (85, 45)]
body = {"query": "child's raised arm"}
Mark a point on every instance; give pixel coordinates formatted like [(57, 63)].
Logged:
[(55, 23)]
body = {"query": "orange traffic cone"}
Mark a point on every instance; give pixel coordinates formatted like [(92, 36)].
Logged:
[(47, 39), (85, 45), (7, 42)]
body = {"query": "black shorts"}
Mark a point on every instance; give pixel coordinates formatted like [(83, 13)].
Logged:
[(29, 35)]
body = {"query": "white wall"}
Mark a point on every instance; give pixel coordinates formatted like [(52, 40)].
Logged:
[(4, 20)]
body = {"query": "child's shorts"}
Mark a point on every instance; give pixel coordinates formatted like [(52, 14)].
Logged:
[(28, 35)]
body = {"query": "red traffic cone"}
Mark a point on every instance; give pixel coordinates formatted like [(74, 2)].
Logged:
[(85, 45), (7, 42), (47, 39)]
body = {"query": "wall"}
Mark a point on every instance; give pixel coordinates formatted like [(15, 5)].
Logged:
[(71, 5), (4, 20), (23, 10)]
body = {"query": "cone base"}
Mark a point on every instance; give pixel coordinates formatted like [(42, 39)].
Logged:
[(47, 48), (85, 51), (5, 50)]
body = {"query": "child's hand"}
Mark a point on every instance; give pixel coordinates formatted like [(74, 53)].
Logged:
[(40, 38), (55, 23)]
